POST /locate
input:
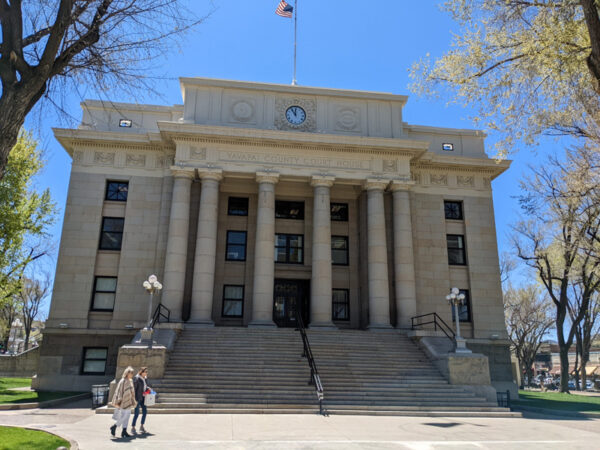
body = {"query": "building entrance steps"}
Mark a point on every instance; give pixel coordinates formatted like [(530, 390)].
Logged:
[(250, 370)]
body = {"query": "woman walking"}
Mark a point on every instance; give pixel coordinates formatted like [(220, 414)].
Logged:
[(123, 400), (141, 388)]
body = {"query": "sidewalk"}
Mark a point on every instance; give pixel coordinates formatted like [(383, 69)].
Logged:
[(231, 431)]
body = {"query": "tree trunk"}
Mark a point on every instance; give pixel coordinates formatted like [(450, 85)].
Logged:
[(563, 349), (592, 21), (27, 333)]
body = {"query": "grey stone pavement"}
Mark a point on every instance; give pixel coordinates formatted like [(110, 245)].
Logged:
[(233, 431)]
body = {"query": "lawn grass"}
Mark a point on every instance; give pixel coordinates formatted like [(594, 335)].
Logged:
[(19, 438), (9, 396), (559, 401)]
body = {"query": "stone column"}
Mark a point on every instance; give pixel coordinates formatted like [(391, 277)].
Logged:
[(320, 286), (264, 252), (404, 267), (203, 281), (177, 242), (379, 292)]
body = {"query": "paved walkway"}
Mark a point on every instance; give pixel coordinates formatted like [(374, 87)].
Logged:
[(231, 431)]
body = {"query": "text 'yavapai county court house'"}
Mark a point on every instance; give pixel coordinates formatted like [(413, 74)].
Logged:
[(253, 201)]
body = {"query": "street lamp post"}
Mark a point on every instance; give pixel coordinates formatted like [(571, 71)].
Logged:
[(152, 285), (456, 299)]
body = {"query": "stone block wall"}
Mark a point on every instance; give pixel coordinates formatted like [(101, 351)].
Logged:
[(22, 365)]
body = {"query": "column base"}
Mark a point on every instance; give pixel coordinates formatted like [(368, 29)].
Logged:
[(461, 346), (262, 324), (379, 327), (326, 326)]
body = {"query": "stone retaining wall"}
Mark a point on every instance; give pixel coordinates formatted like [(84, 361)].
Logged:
[(22, 365)]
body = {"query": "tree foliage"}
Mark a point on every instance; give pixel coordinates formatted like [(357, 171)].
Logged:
[(25, 216), (529, 66), (53, 46), (528, 319)]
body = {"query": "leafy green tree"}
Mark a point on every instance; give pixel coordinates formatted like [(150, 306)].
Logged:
[(25, 215), (530, 67)]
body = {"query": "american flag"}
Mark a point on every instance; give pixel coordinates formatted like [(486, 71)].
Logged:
[(284, 10)]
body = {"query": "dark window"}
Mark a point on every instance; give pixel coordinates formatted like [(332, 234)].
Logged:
[(341, 304), (112, 233), (236, 246), (237, 206), (233, 301), (339, 212), (289, 248), (289, 210), (339, 250), (105, 289), (117, 191), (456, 249), (453, 210), (94, 361), (464, 310)]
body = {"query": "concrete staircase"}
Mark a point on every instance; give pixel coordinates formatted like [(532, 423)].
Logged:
[(242, 370)]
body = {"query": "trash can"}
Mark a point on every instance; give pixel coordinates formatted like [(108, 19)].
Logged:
[(99, 395), (503, 399)]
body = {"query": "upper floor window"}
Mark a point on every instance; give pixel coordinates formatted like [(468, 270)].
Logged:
[(236, 246), (453, 210), (464, 310), (339, 212), (117, 191), (289, 210), (112, 233), (94, 360), (456, 249), (105, 289), (339, 250), (289, 248), (238, 206)]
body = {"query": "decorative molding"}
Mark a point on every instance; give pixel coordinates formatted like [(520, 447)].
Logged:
[(267, 177), (180, 172), (401, 185), (122, 146), (197, 153), (163, 162), (242, 111), (347, 118), (486, 182), (104, 158), (468, 181), (308, 104), (77, 157), (416, 177), (439, 179), (135, 160), (372, 184), (322, 180), (390, 165), (211, 174)]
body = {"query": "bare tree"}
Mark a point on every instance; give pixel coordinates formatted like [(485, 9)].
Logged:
[(559, 241), (528, 318), (49, 45), (507, 265), (9, 311), (31, 298)]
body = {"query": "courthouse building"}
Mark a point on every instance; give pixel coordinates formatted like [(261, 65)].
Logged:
[(253, 201)]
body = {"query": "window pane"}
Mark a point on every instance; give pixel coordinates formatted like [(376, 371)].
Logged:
[(289, 210), (295, 241), (236, 237), (236, 252), (232, 308), (339, 242), (237, 206), (455, 241), (280, 254), (456, 256), (295, 255), (280, 240), (95, 353), (111, 241), (339, 257), (453, 210), (339, 212), (104, 300), (113, 224), (94, 366), (341, 307), (340, 312), (106, 284), (234, 292), (117, 191)]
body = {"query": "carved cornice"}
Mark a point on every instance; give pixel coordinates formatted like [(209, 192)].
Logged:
[(322, 180)]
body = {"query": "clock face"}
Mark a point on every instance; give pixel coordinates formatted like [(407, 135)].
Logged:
[(295, 115)]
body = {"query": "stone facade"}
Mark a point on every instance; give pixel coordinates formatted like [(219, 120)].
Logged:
[(182, 164)]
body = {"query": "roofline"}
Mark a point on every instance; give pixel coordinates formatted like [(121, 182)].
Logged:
[(103, 104), (300, 90)]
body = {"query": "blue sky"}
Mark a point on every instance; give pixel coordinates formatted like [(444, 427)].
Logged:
[(348, 45)]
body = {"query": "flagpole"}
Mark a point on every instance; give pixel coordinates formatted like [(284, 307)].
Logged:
[(294, 83)]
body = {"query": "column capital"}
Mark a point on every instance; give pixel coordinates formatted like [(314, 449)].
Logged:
[(401, 185), (322, 180), (210, 174), (182, 172), (267, 177), (374, 184)]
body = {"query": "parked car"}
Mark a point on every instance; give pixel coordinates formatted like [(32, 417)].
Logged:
[(572, 385)]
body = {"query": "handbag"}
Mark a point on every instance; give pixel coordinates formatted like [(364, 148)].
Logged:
[(149, 399), (117, 414)]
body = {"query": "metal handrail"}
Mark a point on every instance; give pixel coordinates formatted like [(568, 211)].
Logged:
[(160, 311), (437, 322), (315, 379)]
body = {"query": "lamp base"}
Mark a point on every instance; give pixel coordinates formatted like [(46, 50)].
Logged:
[(461, 345)]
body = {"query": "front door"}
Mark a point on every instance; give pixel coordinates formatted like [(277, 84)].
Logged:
[(290, 296)]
